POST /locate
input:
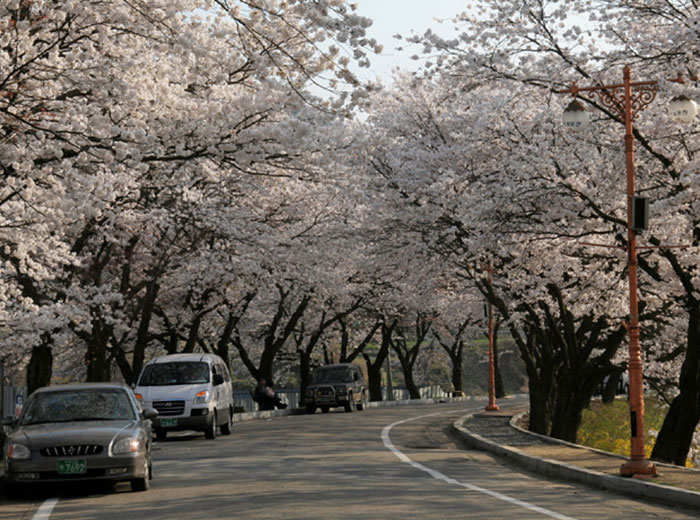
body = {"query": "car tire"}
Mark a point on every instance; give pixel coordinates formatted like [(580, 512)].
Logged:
[(210, 432), (325, 409), (161, 434), (350, 404), (310, 408), (142, 484), (227, 427), (15, 491)]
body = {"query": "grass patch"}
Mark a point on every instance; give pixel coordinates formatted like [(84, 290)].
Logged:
[(607, 426)]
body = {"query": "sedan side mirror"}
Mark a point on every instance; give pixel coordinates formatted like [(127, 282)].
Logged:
[(150, 413)]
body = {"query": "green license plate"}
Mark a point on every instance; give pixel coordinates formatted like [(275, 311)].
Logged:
[(72, 466), (168, 423)]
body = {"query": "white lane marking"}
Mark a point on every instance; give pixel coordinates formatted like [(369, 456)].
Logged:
[(45, 510), (440, 476)]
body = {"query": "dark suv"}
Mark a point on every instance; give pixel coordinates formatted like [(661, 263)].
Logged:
[(336, 385)]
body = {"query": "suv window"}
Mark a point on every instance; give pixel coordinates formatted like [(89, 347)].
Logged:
[(332, 375)]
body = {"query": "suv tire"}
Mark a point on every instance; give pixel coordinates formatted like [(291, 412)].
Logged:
[(350, 404)]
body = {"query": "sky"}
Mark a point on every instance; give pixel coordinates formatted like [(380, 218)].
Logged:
[(404, 17)]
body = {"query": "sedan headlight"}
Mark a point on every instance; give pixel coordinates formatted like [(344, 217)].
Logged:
[(18, 451), (127, 445), (202, 397)]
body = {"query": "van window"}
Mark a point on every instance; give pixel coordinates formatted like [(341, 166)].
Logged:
[(175, 373), (221, 369)]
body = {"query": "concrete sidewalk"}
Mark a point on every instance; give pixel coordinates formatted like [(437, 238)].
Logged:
[(497, 433)]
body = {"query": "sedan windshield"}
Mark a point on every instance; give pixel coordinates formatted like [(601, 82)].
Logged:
[(332, 375), (176, 373), (78, 405)]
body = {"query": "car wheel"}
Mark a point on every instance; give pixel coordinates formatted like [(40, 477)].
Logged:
[(15, 491), (228, 425), (325, 409), (161, 434), (310, 408), (142, 484), (210, 432)]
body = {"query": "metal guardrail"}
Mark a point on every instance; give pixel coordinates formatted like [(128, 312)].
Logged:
[(244, 401)]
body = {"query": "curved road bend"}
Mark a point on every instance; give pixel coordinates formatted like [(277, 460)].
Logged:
[(383, 463)]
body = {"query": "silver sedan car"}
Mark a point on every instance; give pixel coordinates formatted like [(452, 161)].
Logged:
[(90, 431)]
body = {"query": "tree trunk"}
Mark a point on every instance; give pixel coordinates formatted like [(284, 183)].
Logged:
[(148, 306), (413, 390), (568, 409), (40, 367), (540, 395), (409, 356), (304, 377), (676, 434), (610, 389), (374, 368), (98, 364), (455, 350), (457, 371)]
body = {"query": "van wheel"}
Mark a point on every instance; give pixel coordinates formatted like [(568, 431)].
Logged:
[(210, 432), (161, 434), (228, 425)]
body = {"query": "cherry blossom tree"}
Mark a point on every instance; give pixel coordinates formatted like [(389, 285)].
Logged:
[(548, 45), (139, 143)]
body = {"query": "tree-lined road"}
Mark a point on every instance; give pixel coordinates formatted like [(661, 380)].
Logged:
[(396, 462)]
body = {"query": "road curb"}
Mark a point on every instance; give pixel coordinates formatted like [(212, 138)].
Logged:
[(553, 468)]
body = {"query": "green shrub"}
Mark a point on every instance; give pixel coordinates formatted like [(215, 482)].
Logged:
[(607, 426)]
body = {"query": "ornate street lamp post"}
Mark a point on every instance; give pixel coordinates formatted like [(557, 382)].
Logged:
[(627, 100)]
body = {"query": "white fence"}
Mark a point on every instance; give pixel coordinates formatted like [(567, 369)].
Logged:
[(243, 399)]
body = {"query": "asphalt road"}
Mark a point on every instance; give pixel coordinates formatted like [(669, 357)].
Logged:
[(382, 463)]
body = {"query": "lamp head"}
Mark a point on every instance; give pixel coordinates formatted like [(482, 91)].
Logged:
[(575, 116), (682, 109)]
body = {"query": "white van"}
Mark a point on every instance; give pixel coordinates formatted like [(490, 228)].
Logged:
[(190, 392)]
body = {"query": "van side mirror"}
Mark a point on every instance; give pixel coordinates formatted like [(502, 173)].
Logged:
[(9, 421), (218, 379)]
